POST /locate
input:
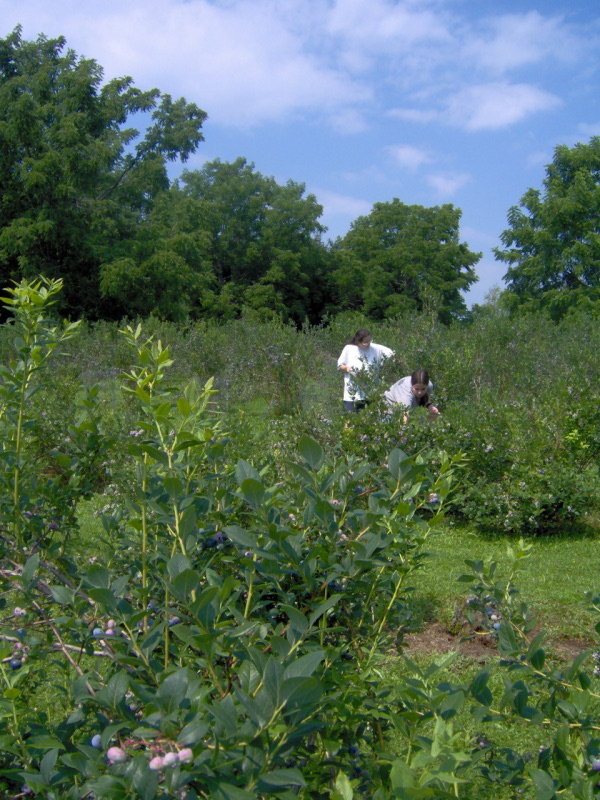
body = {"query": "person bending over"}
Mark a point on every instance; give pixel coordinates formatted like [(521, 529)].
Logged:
[(412, 391)]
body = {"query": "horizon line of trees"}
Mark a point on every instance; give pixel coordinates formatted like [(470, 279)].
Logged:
[(86, 198)]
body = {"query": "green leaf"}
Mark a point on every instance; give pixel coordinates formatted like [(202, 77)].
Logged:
[(312, 452), (545, 788), (226, 791), (323, 608), (185, 583), (29, 570), (342, 788), (245, 470), (97, 577), (395, 459), (240, 536), (183, 406), (253, 491), (62, 595), (279, 778), (178, 564), (115, 690), (304, 666), (298, 622), (173, 486), (401, 775), (173, 689)]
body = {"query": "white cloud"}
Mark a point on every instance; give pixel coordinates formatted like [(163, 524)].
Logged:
[(385, 24), (348, 120), (341, 204), (590, 128), (538, 158), (511, 41), (405, 155), (414, 114), (446, 185), (252, 62), (492, 106), (244, 63)]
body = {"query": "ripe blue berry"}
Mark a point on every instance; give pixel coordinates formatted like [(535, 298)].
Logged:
[(98, 633), (96, 741), (596, 765), (22, 633), (15, 663)]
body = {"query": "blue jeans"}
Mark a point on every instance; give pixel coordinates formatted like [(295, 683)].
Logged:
[(354, 405)]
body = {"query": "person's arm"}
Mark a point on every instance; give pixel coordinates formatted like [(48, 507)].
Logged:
[(433, 409), (342, 365)]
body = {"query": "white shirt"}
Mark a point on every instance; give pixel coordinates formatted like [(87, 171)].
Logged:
[(359, 360), (401, 393)]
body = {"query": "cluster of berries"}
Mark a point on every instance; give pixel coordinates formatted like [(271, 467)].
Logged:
[(20, 653), (218, 540), (111, 630), (117, 755)]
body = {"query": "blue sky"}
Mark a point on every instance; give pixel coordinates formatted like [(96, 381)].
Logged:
[(429, 101)]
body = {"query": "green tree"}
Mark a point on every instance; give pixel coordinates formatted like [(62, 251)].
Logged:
[(76, 181), (553, 242), (261, 239), (404, 258)]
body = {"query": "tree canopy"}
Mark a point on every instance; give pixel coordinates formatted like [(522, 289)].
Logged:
[(232, 239), (404, 258), (553, 242), (75, 179), (86, 198)]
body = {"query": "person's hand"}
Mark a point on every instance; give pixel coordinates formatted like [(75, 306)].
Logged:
[(433, 411)]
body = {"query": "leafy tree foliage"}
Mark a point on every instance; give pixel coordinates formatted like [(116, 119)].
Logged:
[(403, 258), (263, 240), (75, 180), (553, 243), (223, 239)]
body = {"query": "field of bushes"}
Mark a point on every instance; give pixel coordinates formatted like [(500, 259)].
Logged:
[(210, 574)]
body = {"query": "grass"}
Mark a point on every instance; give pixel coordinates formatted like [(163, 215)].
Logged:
[(561, 570), (558, 574)]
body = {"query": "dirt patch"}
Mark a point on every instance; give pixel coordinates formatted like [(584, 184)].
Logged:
[(436, 638)]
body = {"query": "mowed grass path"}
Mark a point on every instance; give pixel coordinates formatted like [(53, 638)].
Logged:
[(554, 582)]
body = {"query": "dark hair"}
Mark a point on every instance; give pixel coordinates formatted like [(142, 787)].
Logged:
[(360, 335), (421, 376)]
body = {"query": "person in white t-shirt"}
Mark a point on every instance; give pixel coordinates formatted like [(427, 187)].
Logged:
[(412, 391), (360, 355)]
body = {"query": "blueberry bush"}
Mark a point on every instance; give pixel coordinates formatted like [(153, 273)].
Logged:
[(226, 635)]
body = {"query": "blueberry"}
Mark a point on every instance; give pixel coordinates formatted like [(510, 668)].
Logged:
[(353, 750), (22, 633), (15, 663), (96, 741), (596, 765), (98, 633), (496, 626)]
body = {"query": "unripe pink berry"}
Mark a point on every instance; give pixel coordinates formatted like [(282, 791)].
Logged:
[(186, 756), (156, 763), (116, 755), (170, 759)]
